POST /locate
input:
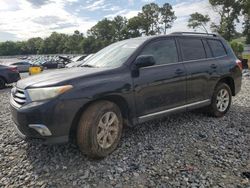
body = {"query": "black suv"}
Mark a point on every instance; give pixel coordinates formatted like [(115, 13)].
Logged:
[(126, 83)]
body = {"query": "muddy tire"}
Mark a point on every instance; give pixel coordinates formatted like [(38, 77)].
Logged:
[(221, 100), (99, 129)]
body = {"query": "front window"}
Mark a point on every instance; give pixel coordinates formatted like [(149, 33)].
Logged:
[(164, 51), (115, 54)]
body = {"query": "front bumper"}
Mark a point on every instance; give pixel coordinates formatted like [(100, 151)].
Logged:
[(57, 115), (13, 77)]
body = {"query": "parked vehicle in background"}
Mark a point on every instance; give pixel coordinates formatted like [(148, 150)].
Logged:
[(79, 58), (22, 66), (49, 64), (65, 60), (78, 63), (128, 82), (8, 75)]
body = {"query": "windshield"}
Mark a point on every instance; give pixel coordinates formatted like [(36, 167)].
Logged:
[(115, 54)]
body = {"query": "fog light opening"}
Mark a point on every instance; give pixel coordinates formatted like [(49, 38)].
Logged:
[(41, 129)]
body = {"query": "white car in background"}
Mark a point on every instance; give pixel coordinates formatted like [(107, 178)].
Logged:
[(79, 62)]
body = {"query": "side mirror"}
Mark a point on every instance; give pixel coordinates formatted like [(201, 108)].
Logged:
[(144, 61)]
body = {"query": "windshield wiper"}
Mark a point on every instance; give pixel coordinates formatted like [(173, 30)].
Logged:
[(87, 65)]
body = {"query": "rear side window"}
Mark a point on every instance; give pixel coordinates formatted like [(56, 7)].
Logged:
[(217, 47), (163, 51), (192, 49), (207, 49)]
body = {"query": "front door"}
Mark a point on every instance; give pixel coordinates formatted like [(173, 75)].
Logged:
[(162, 86)]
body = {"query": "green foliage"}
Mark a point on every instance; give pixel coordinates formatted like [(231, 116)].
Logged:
[(120, 28), (167, 16), (246, 13), (198, 20), (229, 11), (9, 48), (237, 47), (150, 17), (134, 27), (154, 19)]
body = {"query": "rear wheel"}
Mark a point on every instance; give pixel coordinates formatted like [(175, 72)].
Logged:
[(221, 100), (99, 129), (2, 83)]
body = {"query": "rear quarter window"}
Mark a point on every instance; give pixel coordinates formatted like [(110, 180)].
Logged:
[(192, 49), (207, 49), (216, 47)]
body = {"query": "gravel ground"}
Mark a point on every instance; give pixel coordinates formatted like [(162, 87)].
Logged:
[(183, 150)]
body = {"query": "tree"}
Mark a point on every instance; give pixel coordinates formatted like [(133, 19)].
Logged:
[(237, 47), (150, 18), (198, 20), (8, 48), (33, 45), (167, 16), (55, 43), (103, 30), (245, 4), (120, 28), (91, 45), (134, 27), (228, 11), (72, 44)]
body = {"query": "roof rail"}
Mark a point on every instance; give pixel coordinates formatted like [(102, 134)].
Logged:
[(195, 33)]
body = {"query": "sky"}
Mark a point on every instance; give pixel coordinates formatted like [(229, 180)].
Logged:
[(23, 19)]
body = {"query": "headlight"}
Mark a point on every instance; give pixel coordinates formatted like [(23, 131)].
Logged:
[(39, 94)]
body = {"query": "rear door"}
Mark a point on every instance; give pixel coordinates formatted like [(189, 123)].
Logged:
[(201, 68), (163, 85)]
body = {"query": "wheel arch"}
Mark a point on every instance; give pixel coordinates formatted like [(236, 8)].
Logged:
[(117, 99), (230, 82)]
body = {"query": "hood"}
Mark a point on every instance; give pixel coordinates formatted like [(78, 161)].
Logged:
[(56, 77)]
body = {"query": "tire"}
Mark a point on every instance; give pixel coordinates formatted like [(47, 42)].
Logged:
[(93, 124), (2, 83), (216, 109)]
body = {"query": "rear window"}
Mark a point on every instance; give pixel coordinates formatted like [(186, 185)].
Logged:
[(217, 47), (192, 49)]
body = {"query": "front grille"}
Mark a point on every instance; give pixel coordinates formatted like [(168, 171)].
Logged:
[(19, 97)]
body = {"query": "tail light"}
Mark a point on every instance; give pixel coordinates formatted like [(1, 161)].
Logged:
[(239, 64), (13, 69)]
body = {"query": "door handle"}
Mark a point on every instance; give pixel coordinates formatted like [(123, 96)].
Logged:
[(179, 71), (213, 66)]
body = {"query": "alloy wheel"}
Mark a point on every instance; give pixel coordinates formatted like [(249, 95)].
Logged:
[(107, 130), (222, 100)]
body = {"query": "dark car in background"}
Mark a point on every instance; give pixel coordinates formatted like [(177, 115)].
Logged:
[(49, 64), (127, 83), (8, 75)]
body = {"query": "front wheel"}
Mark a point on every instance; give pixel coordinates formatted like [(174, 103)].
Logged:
[(99, 129), (221, 100)]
